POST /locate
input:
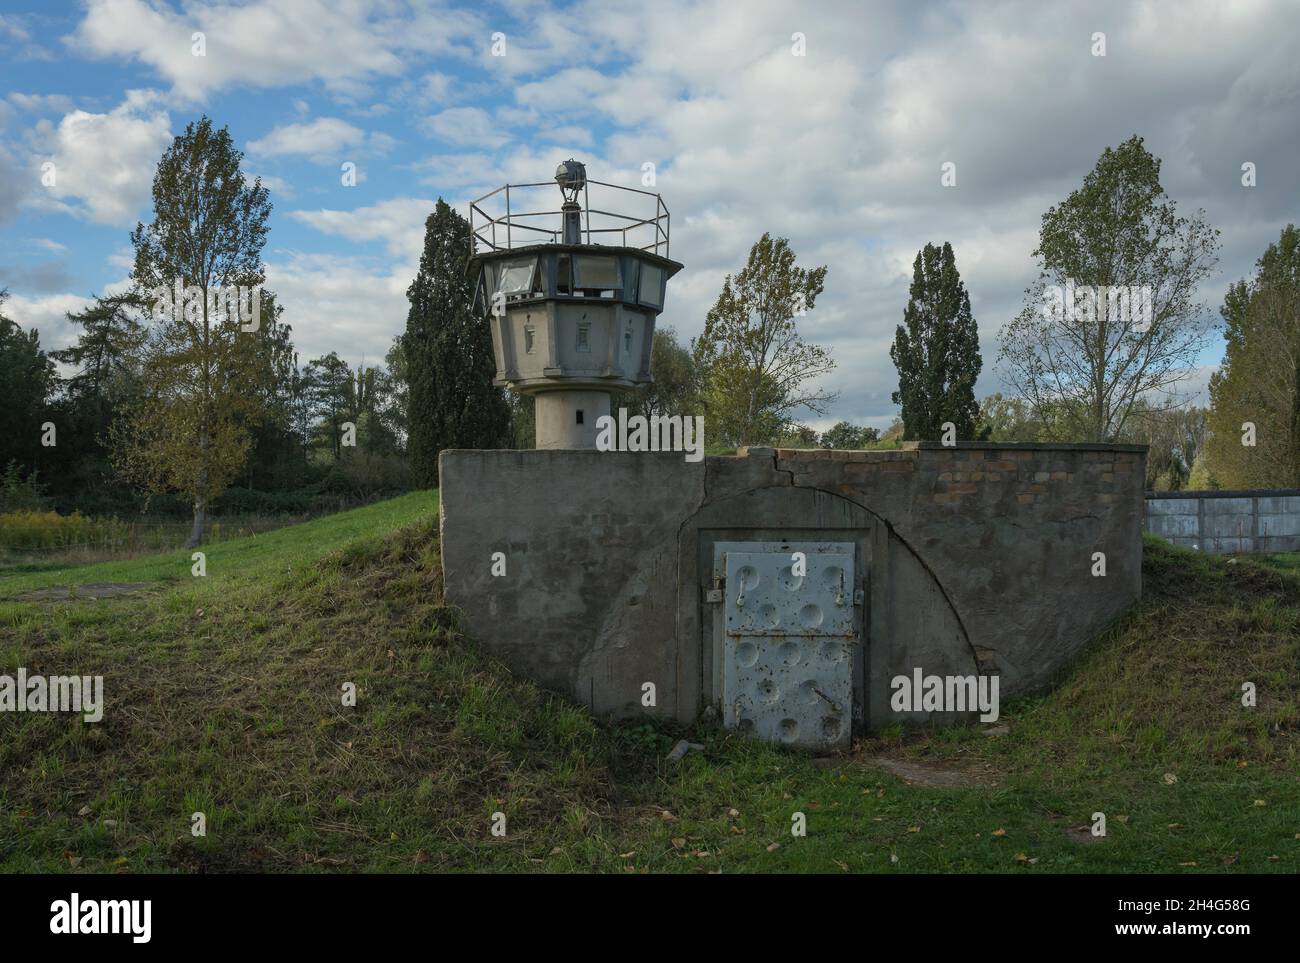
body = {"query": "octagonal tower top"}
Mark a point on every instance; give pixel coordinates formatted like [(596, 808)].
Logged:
[(571, 294)]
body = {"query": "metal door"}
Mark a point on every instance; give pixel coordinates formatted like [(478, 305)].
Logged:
[(788, 644)]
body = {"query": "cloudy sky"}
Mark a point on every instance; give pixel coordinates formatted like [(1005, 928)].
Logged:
[(840, 150)]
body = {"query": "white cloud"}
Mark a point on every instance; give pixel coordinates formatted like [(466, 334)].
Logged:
[(343, 44), (103, 163), (47, 314), (397, 223), (468, 126), (57, 103), (320, 139), (280, 188), (336, 304)]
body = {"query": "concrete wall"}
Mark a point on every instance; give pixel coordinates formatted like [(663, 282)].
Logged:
[(975, 558), (1227, 522)]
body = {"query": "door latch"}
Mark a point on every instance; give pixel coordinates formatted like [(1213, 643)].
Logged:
[(713, 596)]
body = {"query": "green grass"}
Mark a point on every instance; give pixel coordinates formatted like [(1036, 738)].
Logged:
[(255, 556), (224, 696)]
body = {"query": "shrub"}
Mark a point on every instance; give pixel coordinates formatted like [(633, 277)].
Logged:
[(32, 529), (18, 494)]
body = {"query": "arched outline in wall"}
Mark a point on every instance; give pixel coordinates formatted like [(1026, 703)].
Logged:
[(687, 636), (952, 607)]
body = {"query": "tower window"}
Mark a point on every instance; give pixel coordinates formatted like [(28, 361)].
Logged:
[(584, 336), (529, 338), (579, 416)]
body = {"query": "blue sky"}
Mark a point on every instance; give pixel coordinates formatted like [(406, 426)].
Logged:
[(839, 150)]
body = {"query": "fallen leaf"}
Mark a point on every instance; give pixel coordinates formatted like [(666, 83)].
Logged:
[(1170, 779), (627, 855), (678, 842), (773, 847), (999, 832), (1260, 802)]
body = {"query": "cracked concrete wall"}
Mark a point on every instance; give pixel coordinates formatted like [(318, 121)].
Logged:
[(983, 557)]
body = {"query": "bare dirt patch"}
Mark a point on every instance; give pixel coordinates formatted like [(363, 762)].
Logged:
[(937, 773), (89, 591)]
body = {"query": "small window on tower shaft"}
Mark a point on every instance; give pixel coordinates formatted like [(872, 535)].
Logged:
[(579, 416)]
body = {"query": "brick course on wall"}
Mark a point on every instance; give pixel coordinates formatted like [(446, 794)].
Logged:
[(1223, 523)]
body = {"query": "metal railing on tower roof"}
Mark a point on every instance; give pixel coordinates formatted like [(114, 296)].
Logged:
[(507, 227)]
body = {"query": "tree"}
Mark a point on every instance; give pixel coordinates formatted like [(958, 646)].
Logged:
[(1008, 419), (1112, 317), (1175, 438), (848, 437), (333, 400), (106, 362), (106, 355), (202, 369), (26, 382), (753, 364), (1258, 383), (448, 352), (398, 396), (937, 351), (273, 456), (675, 389)]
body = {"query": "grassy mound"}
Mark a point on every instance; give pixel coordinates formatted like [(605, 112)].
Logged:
[(225, 696)]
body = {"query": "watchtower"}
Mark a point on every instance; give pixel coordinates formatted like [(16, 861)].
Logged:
[(571, 306)]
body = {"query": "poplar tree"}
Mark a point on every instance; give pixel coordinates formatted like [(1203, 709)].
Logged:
[(1258, 383), (202, 373), (937, 351), (448, 353)]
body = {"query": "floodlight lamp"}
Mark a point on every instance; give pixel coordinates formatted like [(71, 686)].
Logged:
[(572, 178)]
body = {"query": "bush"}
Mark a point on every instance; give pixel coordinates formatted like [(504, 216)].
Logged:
[(30, 529), (245, 501), (18, 494)]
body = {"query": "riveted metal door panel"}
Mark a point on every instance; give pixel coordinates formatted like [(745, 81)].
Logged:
[(787, 665)]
